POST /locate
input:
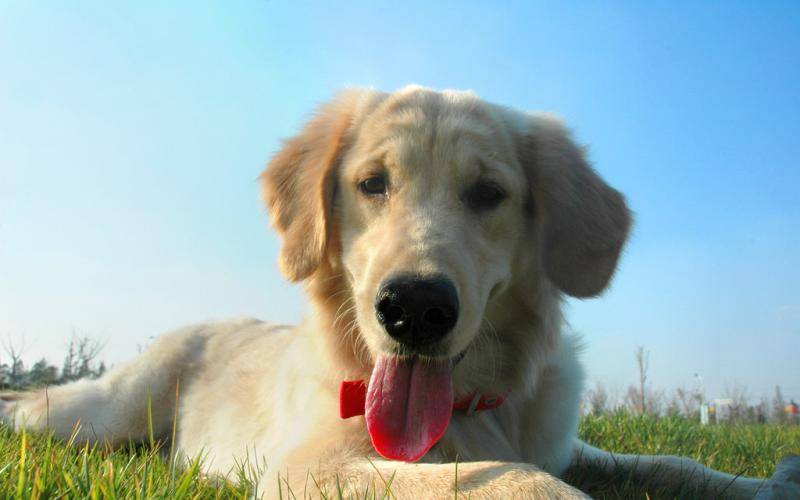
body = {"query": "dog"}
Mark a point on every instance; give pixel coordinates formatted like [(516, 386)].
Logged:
[(436, 235)]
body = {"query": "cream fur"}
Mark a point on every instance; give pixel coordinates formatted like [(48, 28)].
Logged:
[(252, 391)]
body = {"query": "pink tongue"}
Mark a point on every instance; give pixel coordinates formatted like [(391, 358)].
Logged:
[(409, 405)]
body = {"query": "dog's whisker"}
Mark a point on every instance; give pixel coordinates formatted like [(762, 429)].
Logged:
[(350, 303), (493, 346), (348, 337), (330, 278), (360, 350), (336, 294), (351, 336), (345, 306)]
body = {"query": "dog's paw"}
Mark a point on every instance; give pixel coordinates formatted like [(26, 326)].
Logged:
[(785, 483)]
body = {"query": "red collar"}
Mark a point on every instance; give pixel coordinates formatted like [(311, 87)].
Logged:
[(353, 396)]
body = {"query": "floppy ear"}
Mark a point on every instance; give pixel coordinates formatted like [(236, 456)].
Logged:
[(586, 221), (299, 184)]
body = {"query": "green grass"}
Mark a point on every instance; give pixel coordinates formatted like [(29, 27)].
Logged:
[(745, 449), (38, 466)]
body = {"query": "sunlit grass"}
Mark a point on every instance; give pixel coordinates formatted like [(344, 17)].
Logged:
[(39, 466), (748, 449), (742, 449)]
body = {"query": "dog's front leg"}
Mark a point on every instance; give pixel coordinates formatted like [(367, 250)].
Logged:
[(476, 480)]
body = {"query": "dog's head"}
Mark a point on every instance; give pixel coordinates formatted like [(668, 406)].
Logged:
[(436, 228)]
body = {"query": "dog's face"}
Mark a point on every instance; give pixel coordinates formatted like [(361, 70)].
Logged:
[(431, 207), (428, 218)]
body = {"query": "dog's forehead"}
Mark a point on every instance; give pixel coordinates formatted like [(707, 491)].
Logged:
[(419, 126)]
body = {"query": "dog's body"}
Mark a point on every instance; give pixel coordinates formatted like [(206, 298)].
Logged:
[(488, 214)]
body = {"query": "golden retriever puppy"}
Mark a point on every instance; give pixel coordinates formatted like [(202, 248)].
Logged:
[(436, 235)]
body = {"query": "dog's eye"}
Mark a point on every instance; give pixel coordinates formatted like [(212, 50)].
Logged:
[(485, 196), (373, 186)]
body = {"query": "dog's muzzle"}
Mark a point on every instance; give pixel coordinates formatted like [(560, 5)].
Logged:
[(417, 312)]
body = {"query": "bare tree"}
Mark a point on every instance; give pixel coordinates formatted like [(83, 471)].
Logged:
[(80, 359), (633, 400), (80, 362), (640, 398), (778, 406), (651, 402), (598, 400), (674, 406), (14, 374), (689, 401), (643, 362), (762, 411), (739, 410)]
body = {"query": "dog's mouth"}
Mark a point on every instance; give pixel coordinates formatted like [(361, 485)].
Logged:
[(409, 404)]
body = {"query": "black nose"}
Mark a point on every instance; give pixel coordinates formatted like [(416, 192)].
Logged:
[(417, 312)]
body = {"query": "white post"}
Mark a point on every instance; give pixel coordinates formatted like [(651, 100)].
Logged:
[(703, 404)]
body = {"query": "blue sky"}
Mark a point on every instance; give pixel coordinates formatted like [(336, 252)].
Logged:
[(131, 136)]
